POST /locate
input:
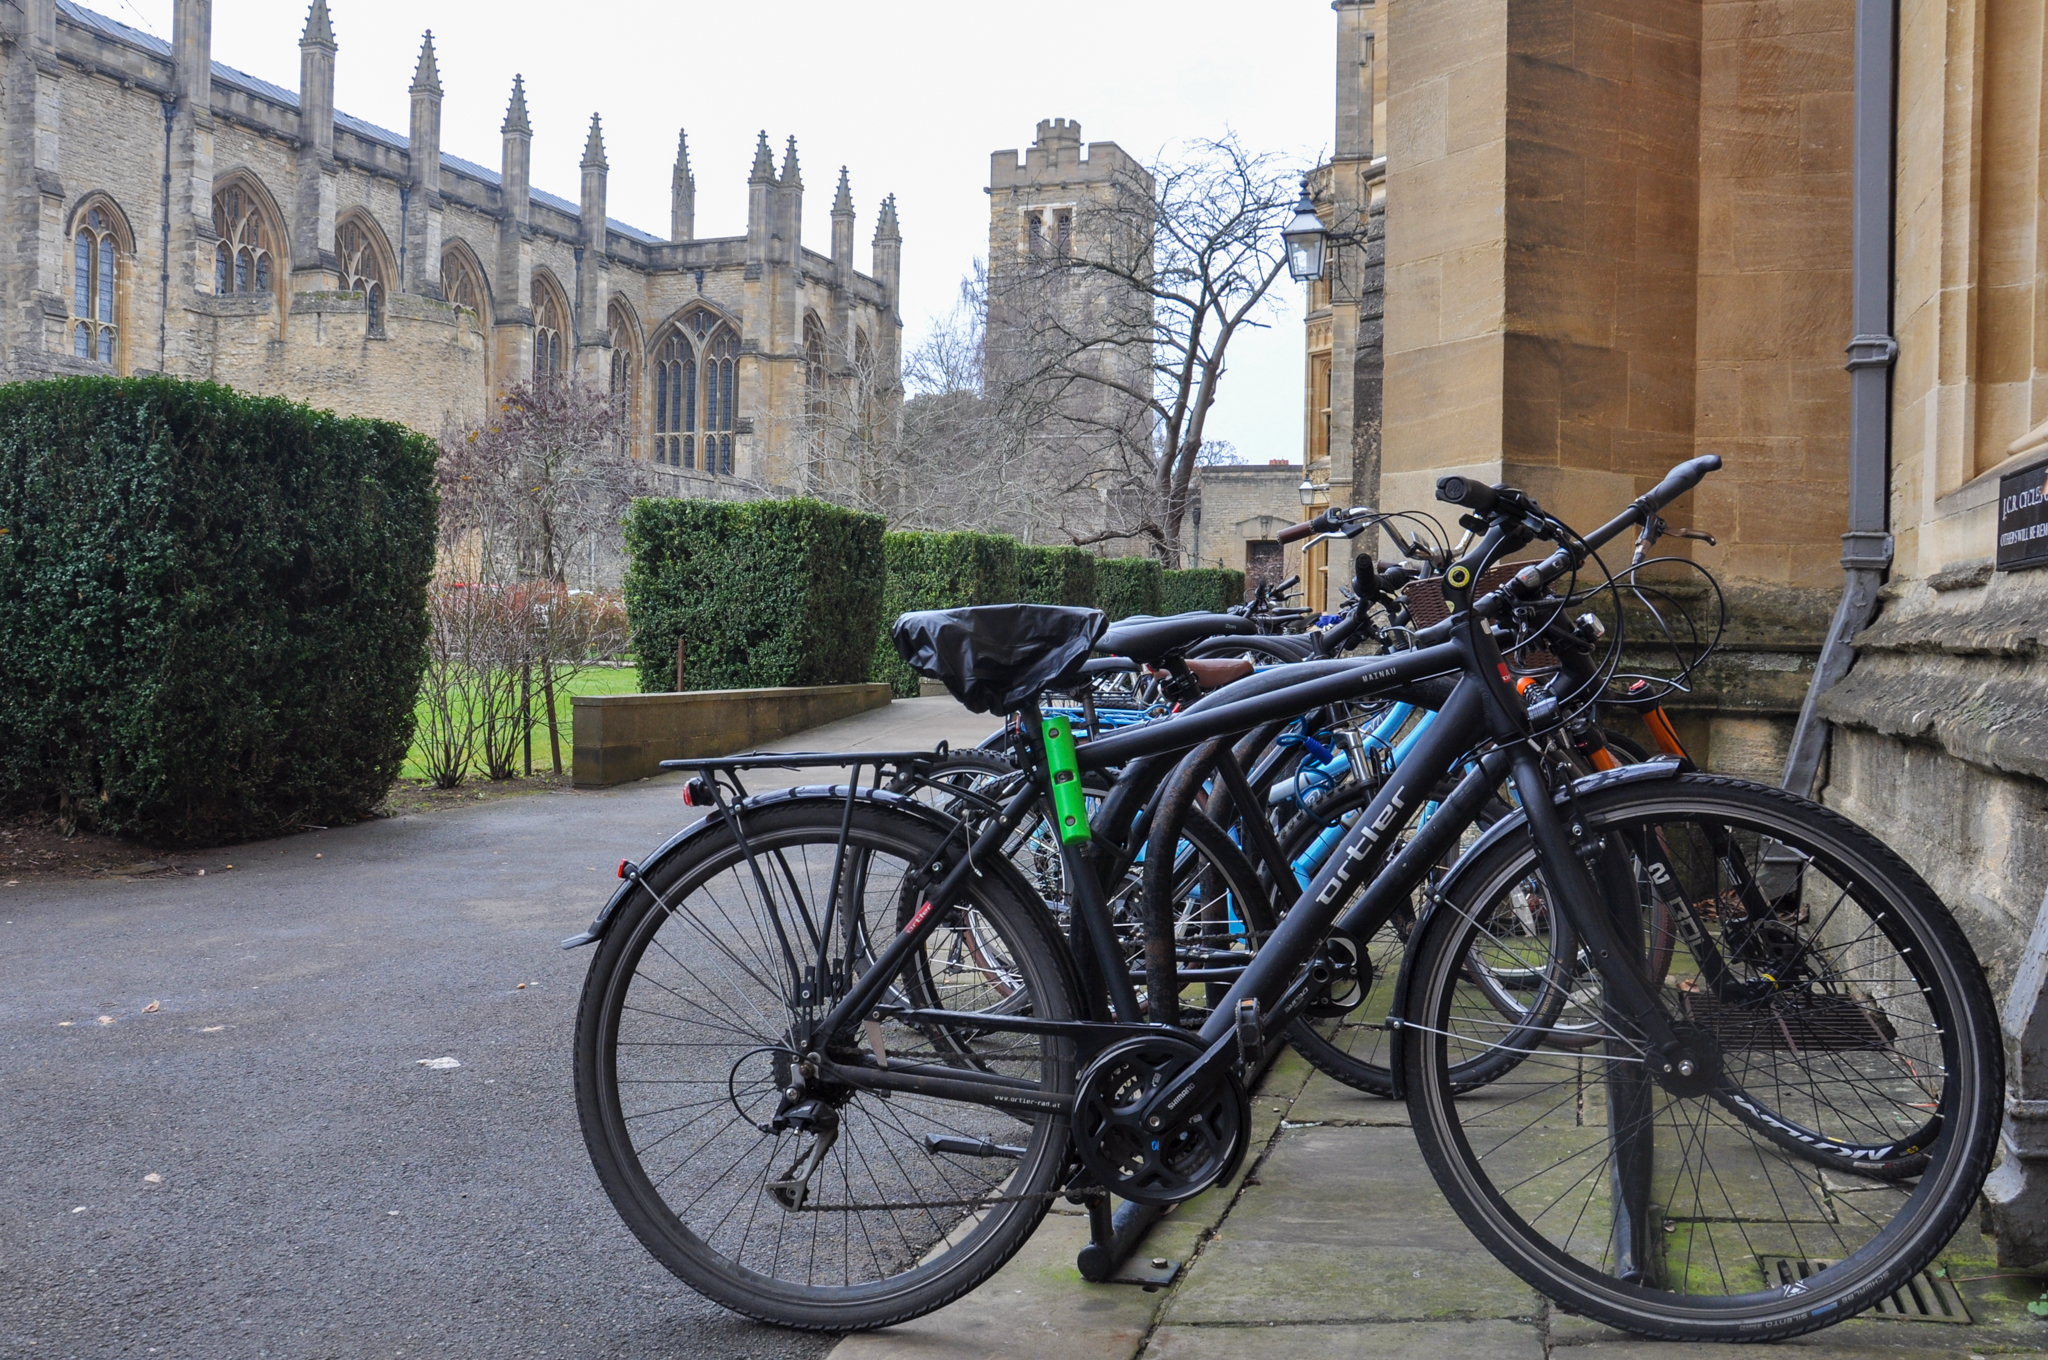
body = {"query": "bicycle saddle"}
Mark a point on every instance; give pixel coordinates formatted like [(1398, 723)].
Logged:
[(995, 657), (1146, 638)]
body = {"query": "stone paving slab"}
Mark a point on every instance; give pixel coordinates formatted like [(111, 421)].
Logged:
[(1387, 1341), (1038, 1305)]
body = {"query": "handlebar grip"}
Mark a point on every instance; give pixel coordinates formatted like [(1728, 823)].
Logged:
[(1477, 496), (1680, 480), (1321, 524)]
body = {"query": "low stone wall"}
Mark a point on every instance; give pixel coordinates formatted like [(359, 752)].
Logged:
[(622, 737)]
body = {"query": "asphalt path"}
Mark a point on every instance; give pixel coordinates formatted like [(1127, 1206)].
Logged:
[(222, 1134)]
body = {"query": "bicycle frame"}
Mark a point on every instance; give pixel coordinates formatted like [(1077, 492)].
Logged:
[(1483, 712)]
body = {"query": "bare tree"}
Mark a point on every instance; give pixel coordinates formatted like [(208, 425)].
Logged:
[(530, 487), (1112, 349)]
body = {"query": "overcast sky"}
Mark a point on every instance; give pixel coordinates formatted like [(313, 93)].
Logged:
[(911, 97)]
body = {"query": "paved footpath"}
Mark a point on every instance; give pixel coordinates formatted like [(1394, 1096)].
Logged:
[(1334, 1244), (246, 1158)]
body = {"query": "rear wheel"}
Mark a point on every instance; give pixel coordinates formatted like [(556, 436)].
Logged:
[(849, 1209), (1844, 1123)]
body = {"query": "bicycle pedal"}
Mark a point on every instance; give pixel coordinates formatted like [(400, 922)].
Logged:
[(1251, 1044)]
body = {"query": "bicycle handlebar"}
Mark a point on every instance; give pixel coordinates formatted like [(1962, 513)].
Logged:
[(1321, 524), (1531, 580)]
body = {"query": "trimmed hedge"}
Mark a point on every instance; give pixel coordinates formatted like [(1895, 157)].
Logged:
[(1129, 585), (1056, 576), (213, 607), (765, 593), (1213, 589), (939, 571)]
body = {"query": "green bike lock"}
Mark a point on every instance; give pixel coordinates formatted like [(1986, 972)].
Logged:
[(1069, 804)]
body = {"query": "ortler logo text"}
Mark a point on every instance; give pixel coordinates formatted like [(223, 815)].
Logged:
[(1359, 850)]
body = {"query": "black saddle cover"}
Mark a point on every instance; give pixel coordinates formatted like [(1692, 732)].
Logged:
[(995, 657)]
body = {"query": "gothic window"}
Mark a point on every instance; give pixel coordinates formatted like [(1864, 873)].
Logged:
[(814, 365), (720, 357), (1034, 234), (675, 403), (625, 403), (550, 325), (462, 284), (357, 252), (1063, 234), (94, 262), (245, 261)]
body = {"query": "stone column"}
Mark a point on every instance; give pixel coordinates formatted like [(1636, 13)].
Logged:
[(888, 271), (313, 196), (192, 234), (512, 272), (422, 245), (593, 265), (1543, 238), (36, 281), (842, 271), (682, 212)]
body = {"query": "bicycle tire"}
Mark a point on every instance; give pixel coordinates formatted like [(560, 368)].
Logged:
[(715, 906), (1806, 1245)]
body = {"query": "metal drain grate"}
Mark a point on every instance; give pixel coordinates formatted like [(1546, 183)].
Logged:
[(1923, 1298)]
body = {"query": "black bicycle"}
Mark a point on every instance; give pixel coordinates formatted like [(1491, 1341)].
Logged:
[(835, 1058)]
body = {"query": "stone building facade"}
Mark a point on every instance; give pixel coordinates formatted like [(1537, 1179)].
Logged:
[(168, 214), (1620, 233)]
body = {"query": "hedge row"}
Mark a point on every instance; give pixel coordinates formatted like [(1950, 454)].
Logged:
[(1213, 589), (938, 571), (802, 593), (1129, 585), (767, 593), (1056, 576), (213, 607)]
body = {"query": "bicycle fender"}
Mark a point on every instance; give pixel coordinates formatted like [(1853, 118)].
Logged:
[(631, 873), (1664, 767)]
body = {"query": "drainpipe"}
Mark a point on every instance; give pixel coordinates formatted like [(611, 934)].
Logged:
[(163, 306), (1867, 547)]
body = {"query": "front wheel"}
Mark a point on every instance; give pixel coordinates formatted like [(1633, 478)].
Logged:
[(1843, 1123)]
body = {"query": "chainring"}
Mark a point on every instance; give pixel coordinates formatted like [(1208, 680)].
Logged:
[(1186, 1155)]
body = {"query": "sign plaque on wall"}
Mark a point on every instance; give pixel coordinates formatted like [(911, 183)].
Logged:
[(2023, 519)]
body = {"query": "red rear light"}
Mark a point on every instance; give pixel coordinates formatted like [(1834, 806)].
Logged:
[(622, 868)]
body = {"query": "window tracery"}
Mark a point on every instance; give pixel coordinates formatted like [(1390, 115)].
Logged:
[(814, 365), (462, 285), (361, 265), (550, 324), (675, 402), (245, 259), (95, 262), (695, 396)]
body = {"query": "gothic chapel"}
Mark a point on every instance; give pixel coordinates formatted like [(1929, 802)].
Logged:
[(170, 214)]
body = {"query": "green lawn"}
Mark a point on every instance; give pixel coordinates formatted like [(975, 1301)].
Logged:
[(600, 680)]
